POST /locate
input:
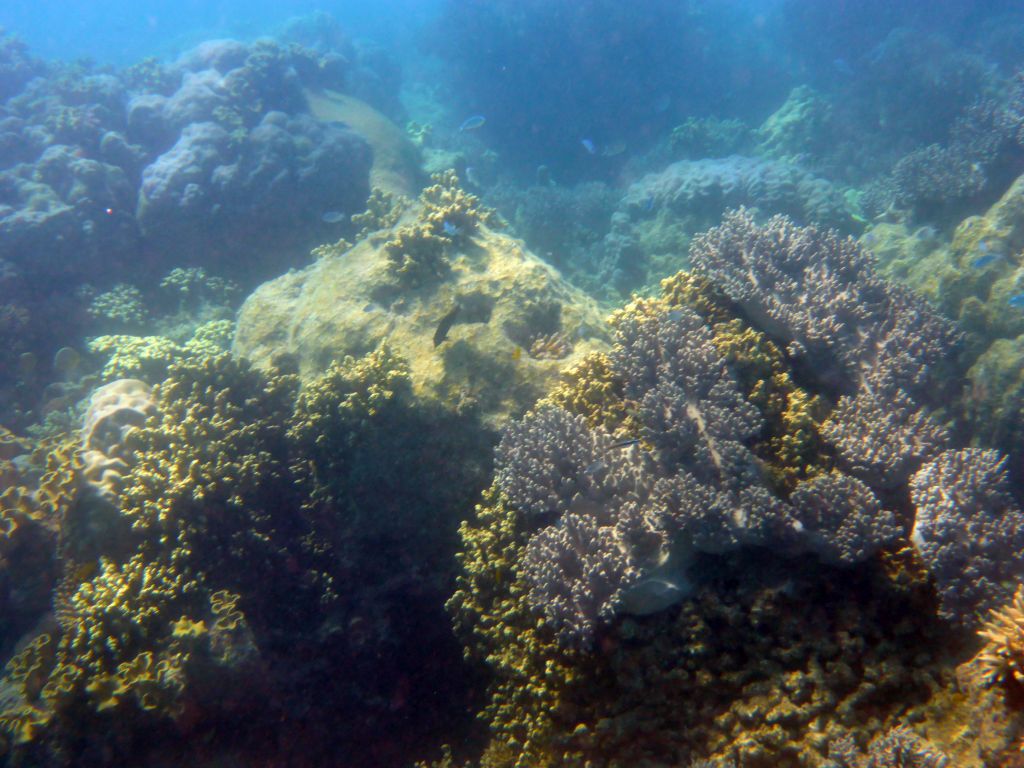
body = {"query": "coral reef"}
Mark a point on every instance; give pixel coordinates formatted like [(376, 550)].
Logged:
[(238, 530), (969, 530), (1003, 655), (639, 504), (899, 748), (463, 305)]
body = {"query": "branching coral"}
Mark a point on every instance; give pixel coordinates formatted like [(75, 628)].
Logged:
[(121, 305), (969, 530), (383, 210), (1003, 655), (698, 440), (899, 748), (418, 252)]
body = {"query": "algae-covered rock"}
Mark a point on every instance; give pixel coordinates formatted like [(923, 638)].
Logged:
[(493, 331), (396, 167)]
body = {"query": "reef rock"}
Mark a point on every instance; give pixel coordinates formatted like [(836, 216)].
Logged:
[(396, 167), (495, 332)]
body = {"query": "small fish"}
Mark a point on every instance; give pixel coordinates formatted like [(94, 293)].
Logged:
[(445, 325), (544, 177), (926, 233), (983, 261), (451, 229), (1017, 301), (648, 204), (982, 246), (590, 146), (332, 217), (870, 239), (662, 103), (471, 176), (472, 123), (613, 150), (517, 354), (624, 443), (595, 468)]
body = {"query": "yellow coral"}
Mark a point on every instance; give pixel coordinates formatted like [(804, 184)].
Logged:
[(1003, 655), (383, 210)]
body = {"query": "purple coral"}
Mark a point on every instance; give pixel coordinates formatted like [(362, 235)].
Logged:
[(819, 295), (898, 748), (842, 519), (691, 408), (882, 441), (551, 462), (969, 531), (810, 289), (576, 571)]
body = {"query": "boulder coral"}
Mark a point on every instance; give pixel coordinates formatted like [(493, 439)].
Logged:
[(463, 304)]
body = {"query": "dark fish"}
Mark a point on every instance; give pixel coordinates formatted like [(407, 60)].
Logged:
[(648, 204), (445, 325), (624, 443), (472, 123)]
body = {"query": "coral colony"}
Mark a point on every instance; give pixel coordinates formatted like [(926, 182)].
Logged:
[(667, 412)]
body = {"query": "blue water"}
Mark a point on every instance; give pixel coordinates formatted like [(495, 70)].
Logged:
[(511, 383)]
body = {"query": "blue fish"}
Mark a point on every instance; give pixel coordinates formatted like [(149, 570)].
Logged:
[(450, 229), (982, 246), (589, 146), (333, 217), (649, 204), (984, 261), (472, 123), (1017, 301)]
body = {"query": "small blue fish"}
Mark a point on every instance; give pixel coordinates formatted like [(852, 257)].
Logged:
[(982, 246), (595, 468), (472, 123), (648, 205), (1017, 301), (589, 146), (450, 229), (332, 217), (870, 239), (842, 66), (983, 261)]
